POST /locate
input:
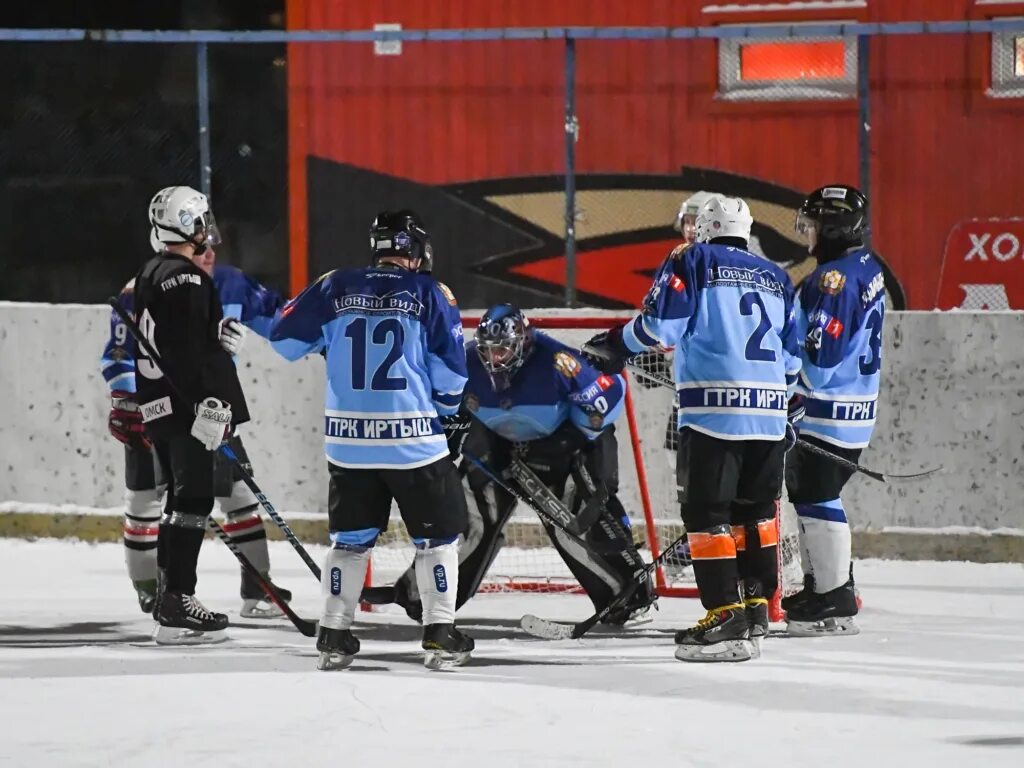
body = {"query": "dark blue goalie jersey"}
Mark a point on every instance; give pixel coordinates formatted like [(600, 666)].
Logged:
[(553, 385)]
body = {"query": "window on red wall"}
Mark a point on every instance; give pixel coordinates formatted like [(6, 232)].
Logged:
[(1007, 64), (789, 69)]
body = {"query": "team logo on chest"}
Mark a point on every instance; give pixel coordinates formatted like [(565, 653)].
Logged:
[(832, 282), (567, 365)]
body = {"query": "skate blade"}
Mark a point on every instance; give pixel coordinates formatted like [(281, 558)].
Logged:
[(329, 661), (437, 659), (259, 609), (638, 620), (726, 650), (755, 647), (544, 629), (842, 625), (183, 636)]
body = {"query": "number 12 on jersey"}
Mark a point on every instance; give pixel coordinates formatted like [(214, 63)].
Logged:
[(387, 333)]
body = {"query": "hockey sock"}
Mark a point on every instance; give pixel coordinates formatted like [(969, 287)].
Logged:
[(342, 581), (437, 573), (242, 522), (714, 566), (757, 553), (826, 541), (181, 539), (141, 526)]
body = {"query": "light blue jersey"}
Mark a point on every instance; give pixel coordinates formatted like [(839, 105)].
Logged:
[(553, 385), (839, 318), (730, 317), (395, 362), (242, 298)]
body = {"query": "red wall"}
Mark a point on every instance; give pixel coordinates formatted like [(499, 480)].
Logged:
[(942, 151)]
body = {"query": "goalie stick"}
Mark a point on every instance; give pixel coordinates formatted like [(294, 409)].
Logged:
[(306, 627), (225, 449), (882, 477), (558, 510), (555, 630)]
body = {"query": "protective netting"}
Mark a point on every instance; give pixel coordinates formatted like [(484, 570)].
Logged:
[(528, 562)]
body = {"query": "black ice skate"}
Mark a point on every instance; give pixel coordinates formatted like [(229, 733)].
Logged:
[(804, 594), (255, 602), (756, 605), (722, 635), (337, 648), (145, 590), (637, 611), (446, 646), (183, 620), (830, 613)]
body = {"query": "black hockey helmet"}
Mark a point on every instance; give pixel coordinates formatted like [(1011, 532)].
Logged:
[(837, 213), (504, 340), (400, 233)]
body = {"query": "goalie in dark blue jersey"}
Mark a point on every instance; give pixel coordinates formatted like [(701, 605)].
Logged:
[(840, 311), (538, 413)]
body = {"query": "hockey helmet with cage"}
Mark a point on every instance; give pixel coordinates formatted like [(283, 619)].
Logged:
[(837, 214), (723, 216), (504, 340), (182, 215), (688, 210), (400, 233)]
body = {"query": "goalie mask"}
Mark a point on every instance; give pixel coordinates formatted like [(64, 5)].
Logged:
[(504, 340), (182, 215), (400, 233)]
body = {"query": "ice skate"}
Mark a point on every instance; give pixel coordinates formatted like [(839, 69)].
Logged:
[(183, 620), (256, 604), (145, 591), (722, 635), (446, 646), (830, 613), (804, 594), (337, 648), (756, 605), (636, 612)]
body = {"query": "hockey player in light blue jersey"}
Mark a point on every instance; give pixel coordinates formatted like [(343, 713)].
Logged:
[(840, 312), (729, 315), (396, 366), (254, 306), (533, 400)]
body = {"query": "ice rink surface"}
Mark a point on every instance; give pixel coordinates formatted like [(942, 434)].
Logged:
[(935, 679)]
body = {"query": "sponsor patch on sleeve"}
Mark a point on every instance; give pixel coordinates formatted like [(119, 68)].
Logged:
[(567, 365), (604, 381), (677, 284), (447, 293), (832, 282)]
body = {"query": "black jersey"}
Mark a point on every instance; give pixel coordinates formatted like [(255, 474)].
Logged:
[(178, 310)]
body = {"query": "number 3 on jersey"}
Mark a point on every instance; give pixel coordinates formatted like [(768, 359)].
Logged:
[(386, 333)]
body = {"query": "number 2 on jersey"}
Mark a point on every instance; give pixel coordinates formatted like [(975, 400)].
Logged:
[(386, 332), (754, 351)]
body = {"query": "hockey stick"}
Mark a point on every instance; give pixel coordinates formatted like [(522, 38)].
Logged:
[(882, 477), (555, 630), (555, 517), (225, 449), (306, 627)]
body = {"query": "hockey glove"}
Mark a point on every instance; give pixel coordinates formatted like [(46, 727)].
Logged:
[(125, 420), (231, 335), (456, 427), (795, 414), (607, 351), (212, 423)]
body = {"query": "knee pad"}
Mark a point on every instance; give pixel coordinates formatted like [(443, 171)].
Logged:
[(189, 513), (757, 534), (359, 540)]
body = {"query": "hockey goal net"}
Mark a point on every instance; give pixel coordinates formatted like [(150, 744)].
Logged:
[(647, 489)]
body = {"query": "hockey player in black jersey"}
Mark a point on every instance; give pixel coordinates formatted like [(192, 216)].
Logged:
[(180, 314)]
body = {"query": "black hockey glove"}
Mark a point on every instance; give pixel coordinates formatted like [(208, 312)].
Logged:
[(555, 452), (456, 427), (607, 351)]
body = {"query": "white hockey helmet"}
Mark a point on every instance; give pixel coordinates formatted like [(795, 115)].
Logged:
[(691, 207), (181, 215), (723, 216)]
